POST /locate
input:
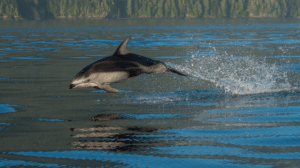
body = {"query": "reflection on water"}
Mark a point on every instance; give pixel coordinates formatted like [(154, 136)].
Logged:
[(113, 137), (239, 107)]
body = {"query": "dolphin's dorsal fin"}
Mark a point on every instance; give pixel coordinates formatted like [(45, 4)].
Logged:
[(122, 50)]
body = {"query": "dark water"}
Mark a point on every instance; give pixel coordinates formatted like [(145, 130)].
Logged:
[(239, 106)]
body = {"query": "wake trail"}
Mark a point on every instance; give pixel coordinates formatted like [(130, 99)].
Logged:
[(237, 75)]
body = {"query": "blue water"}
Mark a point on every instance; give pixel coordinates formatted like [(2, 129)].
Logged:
[(238, 107), (7, 108), (21, 163), (131, 160)]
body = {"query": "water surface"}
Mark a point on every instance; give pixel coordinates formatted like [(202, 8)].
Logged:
[(239, 106)]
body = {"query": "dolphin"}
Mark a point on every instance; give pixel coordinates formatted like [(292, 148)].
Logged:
[(118, 67)]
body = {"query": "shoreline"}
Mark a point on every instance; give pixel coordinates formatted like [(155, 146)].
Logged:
[(141, 22), (145, 18)]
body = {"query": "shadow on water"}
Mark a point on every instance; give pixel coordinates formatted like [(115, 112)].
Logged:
[(114, 137)]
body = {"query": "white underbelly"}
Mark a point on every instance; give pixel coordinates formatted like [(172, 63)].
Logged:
[(110, 77)]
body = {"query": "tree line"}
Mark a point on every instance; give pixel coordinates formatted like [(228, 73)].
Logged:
[(114, 9)]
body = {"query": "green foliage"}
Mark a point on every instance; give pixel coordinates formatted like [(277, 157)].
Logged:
[(50, 9), (268, 8), (238, 8), (80, 8), (293, 8), (8, 9)]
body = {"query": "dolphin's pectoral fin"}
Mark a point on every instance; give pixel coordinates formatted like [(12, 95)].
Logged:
[(176, 72), (108, 89)]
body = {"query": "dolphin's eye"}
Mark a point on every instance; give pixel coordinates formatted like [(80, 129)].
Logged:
[(88, 80)]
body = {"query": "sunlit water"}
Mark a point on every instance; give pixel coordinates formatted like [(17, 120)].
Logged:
[(239, 106)]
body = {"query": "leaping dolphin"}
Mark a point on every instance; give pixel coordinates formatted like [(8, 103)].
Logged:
[(119, 67)]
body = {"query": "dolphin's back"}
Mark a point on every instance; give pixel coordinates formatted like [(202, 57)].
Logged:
[(99, 60), (137, 58)]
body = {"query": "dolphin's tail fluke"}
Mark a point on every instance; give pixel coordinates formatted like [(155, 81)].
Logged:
[(176, 72)]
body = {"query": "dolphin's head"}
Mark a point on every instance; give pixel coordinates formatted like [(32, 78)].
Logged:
[(82, 81)]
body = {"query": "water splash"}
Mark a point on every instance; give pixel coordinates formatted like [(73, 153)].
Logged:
[(237, 75)]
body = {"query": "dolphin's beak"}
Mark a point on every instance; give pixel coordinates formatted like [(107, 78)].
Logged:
[(71, 86)]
